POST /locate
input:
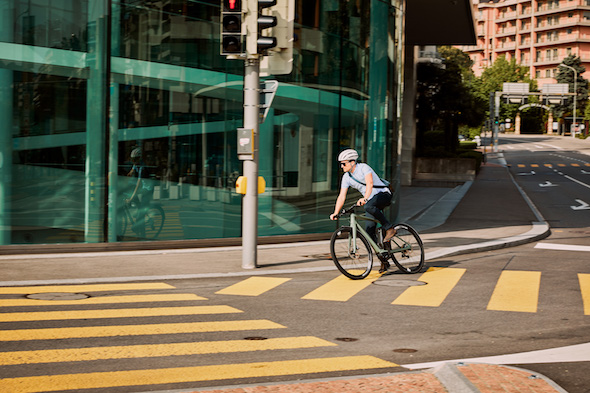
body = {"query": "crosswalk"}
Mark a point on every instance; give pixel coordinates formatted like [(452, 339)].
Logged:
[(74, 339), (62, 333)]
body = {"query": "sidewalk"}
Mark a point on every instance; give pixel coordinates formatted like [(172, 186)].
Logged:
[(489, 213)]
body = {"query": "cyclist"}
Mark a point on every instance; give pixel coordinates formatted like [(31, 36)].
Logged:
[(142, 193), (376, 194)]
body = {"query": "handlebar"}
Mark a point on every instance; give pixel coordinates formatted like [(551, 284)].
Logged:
[(347, 210)]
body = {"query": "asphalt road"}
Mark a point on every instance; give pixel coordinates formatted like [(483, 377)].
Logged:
[(227, 331)]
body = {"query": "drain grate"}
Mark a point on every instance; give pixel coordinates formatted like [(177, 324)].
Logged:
[(405, 350)]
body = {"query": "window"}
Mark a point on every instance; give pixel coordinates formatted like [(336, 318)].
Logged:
[(547, 73), (568, 51)]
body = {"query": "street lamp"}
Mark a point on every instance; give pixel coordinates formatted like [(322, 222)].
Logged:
[(573, 131)]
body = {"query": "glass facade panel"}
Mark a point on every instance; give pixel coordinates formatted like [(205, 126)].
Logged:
[(118, 119)]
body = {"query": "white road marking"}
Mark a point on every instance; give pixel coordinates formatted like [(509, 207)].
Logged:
[(570, 353), (547, 184), (583, 205), (562, 247)]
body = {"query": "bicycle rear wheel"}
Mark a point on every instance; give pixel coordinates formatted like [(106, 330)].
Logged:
[(353, 259), (407, 249), (154, 221)]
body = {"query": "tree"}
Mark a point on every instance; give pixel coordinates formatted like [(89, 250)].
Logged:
[(503, 71), (445, 100), (566, 75)]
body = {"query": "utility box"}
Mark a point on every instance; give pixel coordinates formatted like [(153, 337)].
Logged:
[(245, 143)]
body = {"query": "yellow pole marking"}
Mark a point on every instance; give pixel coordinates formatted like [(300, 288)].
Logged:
[(516, 291), (84, 288), (102, 300), (156, 350), (136, 330), (535, 165), (253, 286), (117, 313), (48, 383), (341, 288), (439, 283), (585, 289)]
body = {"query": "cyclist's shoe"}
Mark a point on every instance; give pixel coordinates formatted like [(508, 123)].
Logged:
[(389, 234), (384, 266)]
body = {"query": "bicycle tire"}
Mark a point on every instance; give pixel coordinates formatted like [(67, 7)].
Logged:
[(122, 221), (411, 258), (355, 266), (154, 223)]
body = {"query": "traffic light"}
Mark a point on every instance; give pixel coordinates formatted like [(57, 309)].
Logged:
[(264, 23), (232, 19)]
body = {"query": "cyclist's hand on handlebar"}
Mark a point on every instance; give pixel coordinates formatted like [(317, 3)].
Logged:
[(361, 202), (334, 216)]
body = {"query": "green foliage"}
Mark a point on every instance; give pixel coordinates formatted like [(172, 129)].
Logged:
[(566, 75), (466, 145)]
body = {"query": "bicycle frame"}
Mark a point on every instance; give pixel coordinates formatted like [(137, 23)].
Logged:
[(357, 227)]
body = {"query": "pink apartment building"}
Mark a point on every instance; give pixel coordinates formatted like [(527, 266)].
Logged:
[(539, 34)]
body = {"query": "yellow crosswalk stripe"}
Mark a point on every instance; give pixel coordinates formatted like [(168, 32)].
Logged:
[(156, 350), (516, 291), (439, 283), (576, 165), (341, 288), (83, 288), (116, 313), (535, 165), (549, 165), (585, 288), (136, 330), (102, 300), (189, 374), (253, 286), (561, 165), (521, 166)]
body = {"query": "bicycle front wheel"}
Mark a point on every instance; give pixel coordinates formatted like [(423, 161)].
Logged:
[(154, 221), (353, 258), (407, 250)]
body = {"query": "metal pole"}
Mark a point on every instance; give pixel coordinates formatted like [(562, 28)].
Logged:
[(496, 116), (573, 128), (250, 201)]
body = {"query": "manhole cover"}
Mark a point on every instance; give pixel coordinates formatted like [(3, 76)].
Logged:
[(347, 339), (57, 296), (255, 338), (397, 283)]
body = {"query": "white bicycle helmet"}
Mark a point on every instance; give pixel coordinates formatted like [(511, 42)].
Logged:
[(348, 155), (136, 153)]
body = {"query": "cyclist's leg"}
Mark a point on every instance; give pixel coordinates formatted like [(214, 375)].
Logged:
[(374, 208)]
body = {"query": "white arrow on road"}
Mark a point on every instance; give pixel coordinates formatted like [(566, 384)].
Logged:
[(547, 184), (527, 173), (583, 205), (585, 172)]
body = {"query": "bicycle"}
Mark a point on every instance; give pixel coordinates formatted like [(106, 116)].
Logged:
[(351, 247), (152, 224)]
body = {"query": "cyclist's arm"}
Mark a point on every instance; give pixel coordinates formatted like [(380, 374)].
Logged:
[(368, 190), (339, 203)]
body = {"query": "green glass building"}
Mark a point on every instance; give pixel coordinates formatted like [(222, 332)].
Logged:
[(84, 83)]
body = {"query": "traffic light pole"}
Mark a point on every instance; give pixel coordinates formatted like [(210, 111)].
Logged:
[(250, 200)]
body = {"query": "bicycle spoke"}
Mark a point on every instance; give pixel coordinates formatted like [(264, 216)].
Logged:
[(407, 249)]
